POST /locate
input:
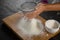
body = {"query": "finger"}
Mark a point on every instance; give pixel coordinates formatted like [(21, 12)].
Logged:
[(40, 4)]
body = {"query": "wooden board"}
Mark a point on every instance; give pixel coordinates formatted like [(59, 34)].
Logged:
[(13, 19)]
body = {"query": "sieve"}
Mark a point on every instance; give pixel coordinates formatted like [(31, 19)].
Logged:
[(28, 6)]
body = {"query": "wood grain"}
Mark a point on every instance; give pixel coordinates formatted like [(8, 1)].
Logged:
[(12, 20)]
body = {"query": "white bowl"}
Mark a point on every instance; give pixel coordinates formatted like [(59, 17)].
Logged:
[(52, 26)]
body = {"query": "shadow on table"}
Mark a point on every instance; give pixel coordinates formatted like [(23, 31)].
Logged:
[(10, 33)]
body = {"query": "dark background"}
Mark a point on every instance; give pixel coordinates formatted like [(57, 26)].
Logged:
[(7, 34)]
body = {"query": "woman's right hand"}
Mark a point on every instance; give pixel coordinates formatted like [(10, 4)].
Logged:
[(39, 9)]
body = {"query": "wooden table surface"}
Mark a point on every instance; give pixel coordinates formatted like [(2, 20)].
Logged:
[(13, 19)]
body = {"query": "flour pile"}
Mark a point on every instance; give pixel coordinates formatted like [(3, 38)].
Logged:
[(30, 27)]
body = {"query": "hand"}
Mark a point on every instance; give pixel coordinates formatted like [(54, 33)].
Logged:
[(39, 9)]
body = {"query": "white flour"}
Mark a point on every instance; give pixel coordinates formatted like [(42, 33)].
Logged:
[(30, 26)]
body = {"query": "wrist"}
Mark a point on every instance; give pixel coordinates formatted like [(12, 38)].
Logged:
[(46, 7)]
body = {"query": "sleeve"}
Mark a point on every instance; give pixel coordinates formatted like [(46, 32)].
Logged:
[(55, 1), (44, 1)]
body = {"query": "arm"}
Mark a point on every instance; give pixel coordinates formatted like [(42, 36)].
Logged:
[(43, 7), (53, 7)]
